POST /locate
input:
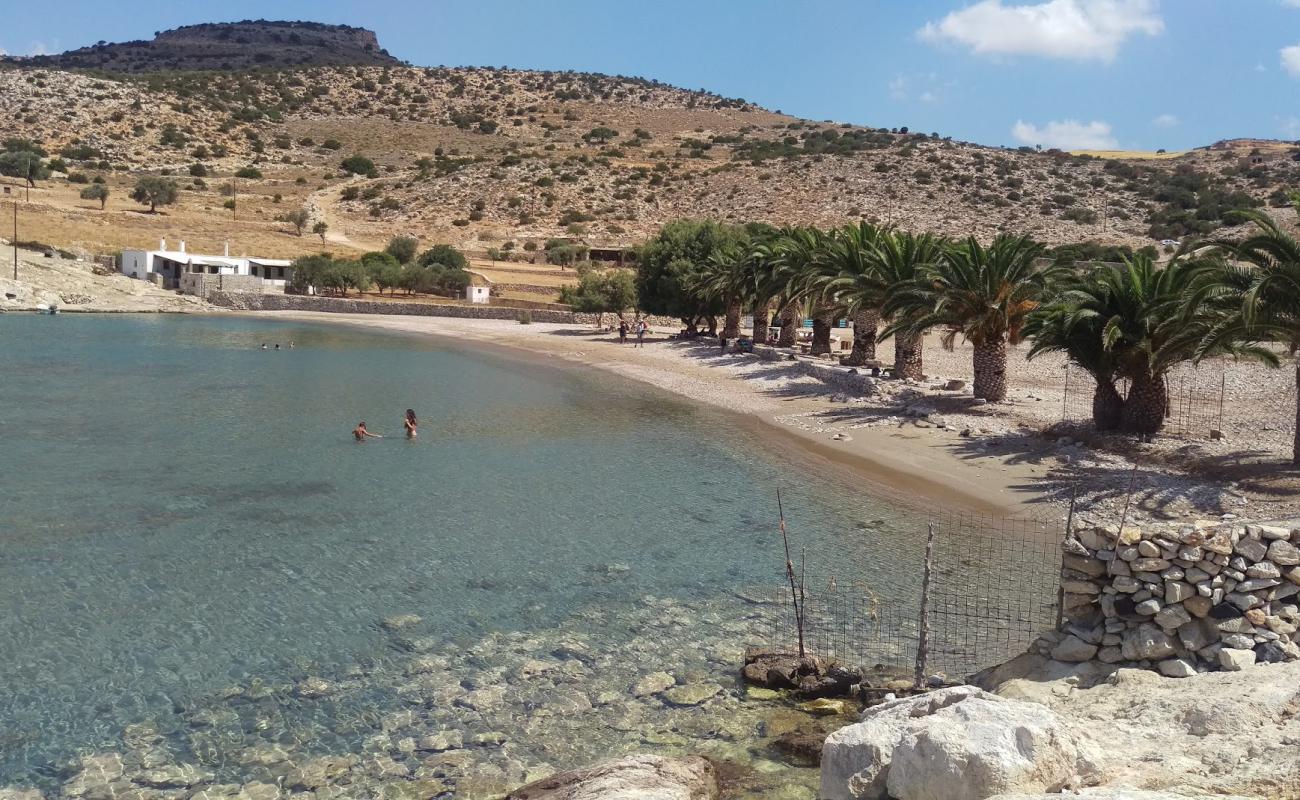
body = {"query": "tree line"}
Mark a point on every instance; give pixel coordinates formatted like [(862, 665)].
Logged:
[(441, 269), (1127, 322)]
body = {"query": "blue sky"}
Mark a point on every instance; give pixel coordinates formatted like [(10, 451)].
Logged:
[(1132, 74)]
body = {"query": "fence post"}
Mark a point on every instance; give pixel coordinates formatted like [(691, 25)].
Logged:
[(1060, 579), (923, 642), (1065, 397), (1223, 390)]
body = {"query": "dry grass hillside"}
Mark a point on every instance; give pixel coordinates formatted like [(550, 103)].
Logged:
[(504, 159)]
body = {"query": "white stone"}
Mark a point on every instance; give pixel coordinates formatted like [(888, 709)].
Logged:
[(1176, 668), (1235, 660), (1283, 553), (956, 744)]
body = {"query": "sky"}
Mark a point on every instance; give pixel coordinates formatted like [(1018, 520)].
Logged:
[(1074, 74)]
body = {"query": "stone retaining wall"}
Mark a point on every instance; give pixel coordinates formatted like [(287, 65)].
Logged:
[(1181, 598), (856, 380)]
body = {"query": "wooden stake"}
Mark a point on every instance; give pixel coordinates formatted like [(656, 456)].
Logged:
[(789, 573)]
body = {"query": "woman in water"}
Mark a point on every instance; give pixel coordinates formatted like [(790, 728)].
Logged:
[(362, 434), (410, 423)]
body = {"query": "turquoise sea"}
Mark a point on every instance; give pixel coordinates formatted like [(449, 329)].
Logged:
[(185, 517)]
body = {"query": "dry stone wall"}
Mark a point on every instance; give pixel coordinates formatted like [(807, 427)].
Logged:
[(344, 305), (1180, 598)]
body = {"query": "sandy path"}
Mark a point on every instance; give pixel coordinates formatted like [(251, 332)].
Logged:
[(912, 465)]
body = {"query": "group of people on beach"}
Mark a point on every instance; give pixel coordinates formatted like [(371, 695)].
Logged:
[(640, 326), (409, 423)]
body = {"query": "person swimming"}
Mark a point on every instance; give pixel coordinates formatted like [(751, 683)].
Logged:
[(410, 423), (360, 433)]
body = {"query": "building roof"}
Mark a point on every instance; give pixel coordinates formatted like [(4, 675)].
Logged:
[(270, 262)]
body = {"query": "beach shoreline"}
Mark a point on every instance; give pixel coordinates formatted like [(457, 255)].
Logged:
[(906, 466)]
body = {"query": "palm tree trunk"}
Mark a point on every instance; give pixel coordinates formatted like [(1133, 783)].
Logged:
[(731, 328), (713, 325), (823, 319), (1148, 401), (908, 348), (791, 316), (1107, 405), (990, 362), (866, 323), (762, 313)]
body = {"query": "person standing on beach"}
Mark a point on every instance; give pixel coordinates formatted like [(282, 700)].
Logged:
[(361, 434), (641, 327), (410, 423), (622, 331)]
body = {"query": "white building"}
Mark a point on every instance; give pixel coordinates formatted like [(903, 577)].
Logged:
[(478, 294), (165, 267)]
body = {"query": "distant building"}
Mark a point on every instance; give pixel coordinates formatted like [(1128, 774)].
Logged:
[(478, 294), (167, 268)]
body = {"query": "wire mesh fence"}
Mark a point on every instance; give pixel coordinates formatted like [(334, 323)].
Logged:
[(1244, 404), (991, 590)]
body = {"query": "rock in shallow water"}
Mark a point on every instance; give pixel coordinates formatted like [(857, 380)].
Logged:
[(638, 776), (692, 694)]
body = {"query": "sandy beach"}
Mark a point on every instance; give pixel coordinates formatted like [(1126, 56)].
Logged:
[(913, 465)]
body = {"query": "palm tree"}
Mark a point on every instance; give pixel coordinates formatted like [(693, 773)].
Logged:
[(1074, 324), (851, 277), (982, 294), (802, 252), (1258, 299), (726, 282), (901, 258)]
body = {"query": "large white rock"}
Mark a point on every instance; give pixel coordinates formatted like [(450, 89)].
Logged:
[(636, 777), (953, 744)]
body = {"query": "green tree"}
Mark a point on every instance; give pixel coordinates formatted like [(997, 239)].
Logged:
[(96, 191), (982, 294), (852, 277), (320, 229), (384, 270), (1253, 296), (25, 164), (298, 218), (154, 191), (445, 255), (248, 172), (358, 165), (902, 258), (600, 135), (402, 248), (601, 292), (670, 266)]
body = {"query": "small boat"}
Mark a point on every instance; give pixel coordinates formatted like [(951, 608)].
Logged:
[(42, 308)]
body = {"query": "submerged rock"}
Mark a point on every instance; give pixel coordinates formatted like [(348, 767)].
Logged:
[(639, 776), (654, 683), (692, 694)]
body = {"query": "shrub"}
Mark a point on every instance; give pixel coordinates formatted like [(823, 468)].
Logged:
[(358, 165), (198, 171), (248, 172), (331, 144)]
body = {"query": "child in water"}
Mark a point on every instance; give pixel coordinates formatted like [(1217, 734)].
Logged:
[(361, 434), (410, 423)]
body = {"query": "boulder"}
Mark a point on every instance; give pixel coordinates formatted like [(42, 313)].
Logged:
[(643, 777), (959, 743), (1236, 660), (1072, 648), (1147, 642)]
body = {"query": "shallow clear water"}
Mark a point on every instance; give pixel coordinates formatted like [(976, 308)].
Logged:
[(181, 512)]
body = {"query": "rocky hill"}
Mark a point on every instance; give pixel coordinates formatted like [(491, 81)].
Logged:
[(506, 159), (227, 46)]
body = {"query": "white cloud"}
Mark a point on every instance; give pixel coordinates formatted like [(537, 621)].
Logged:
[(1291, 59), (1074, 29), (38, 49), (1166, 121), (1292, 3), (898, 88), (1066, 135)]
